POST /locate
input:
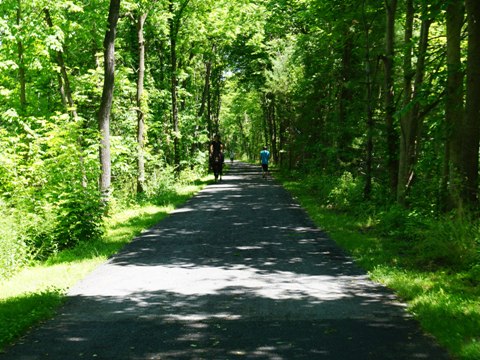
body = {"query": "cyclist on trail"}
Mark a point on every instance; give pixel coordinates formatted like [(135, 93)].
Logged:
[(216, 157)]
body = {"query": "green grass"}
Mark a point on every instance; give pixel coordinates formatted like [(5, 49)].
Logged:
[(446, 302), (34, 293)]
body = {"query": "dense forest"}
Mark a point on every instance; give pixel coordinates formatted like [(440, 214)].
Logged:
[(106, 101)]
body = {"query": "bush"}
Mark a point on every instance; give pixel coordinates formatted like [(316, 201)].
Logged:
[(24, 237), (347, 192), (449, 243), (14, 252), (48, 180), (79, 218), (401, 224), (431, 243)]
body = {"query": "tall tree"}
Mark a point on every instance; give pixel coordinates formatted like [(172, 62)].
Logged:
[(64, 82), (391, 133), (410, 123), (21, 60), (472, 106), (141, 104), (174, 26), (454, 107), (107, 97), (369, 100)]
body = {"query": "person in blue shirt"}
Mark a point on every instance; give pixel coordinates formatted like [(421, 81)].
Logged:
[(264, 157)]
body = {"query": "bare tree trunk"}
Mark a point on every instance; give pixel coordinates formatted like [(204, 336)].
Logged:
[(67, 98), (21, 62), (216, 101), (203, 105), (273, 117), (206, 90), (345, 97), (173, 79), (141, 105), (408, 72), (454, 109), (406, 121), (174, 27), (411, 122), (66, 90), (272, 125), (107, 98), (472, 107), (391, 134), (367, 190)]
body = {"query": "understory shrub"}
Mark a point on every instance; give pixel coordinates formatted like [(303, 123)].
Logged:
[(400, 224), (79, 218), (449, 243), (48, 182), (424, 241), (14, 252), (346, 193), (431, 243)]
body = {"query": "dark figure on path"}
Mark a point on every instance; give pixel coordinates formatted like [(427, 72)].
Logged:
[(216, 157), (264, 157)]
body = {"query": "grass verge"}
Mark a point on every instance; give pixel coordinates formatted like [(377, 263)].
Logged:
[(33, 294), (444, 301)]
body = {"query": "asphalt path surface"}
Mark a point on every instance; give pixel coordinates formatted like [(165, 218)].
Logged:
[(238, 272)]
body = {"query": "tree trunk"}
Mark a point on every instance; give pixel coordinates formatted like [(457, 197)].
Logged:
[(410, 123), (21, 62), (107, 98), (272, 125), (66, 91), (173, 65), (141, 105), (345, 98), (391, 133), (367, 190), (67, 98), (408, 72), (472, 107), (454, 109), (205, 92), (215, 100)]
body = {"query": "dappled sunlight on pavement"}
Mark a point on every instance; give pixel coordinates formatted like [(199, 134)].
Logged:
[(238, 272)]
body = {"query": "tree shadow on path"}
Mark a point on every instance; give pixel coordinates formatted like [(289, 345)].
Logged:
[(239, 271)]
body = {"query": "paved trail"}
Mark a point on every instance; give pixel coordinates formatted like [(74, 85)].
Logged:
[(238, 272)]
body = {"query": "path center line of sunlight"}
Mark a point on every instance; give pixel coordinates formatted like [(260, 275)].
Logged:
[(207, 280)]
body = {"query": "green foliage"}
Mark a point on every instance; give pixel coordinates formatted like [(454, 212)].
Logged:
[(14, 251), (80, 218), (431, 243), (451, 244), (346, 193), (50, 188), (400, 224)]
